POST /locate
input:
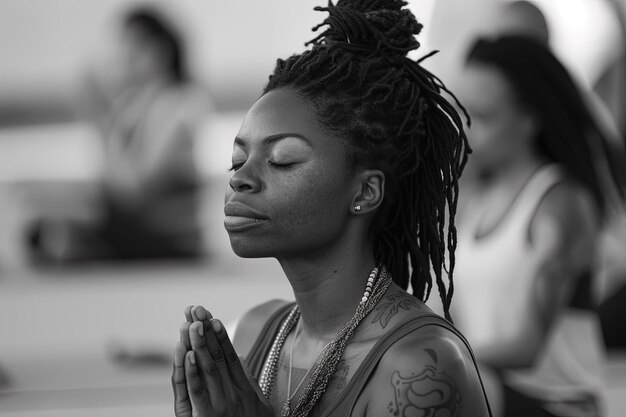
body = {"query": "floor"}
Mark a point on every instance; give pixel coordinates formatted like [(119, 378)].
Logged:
[(100, 339)]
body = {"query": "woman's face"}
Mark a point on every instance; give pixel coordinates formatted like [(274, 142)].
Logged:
[(501, 129), (140, 57), (291, 189)]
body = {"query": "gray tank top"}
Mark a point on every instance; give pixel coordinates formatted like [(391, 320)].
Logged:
[(345, 403)]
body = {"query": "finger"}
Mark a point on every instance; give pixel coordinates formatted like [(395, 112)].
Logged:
[(198, 395), (184, 334), (199, 313), (188, 313), (182, 404), (207, 367), (231, 359), (208, 340)]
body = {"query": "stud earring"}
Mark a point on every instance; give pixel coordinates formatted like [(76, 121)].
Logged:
[(357, 208)]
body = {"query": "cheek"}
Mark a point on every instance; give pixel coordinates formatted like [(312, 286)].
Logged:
[(489, 139), (314, 207)]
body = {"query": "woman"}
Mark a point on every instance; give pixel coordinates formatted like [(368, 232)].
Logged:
[(345, 170), (528, 228), (151, 181), (146, 203)]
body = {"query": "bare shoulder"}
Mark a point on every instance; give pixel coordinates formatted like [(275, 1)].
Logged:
[(395, 306), (251, 323), (570, 205), (428, 372)]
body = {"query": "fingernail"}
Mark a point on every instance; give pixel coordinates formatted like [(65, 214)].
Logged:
[(217, 325), (200, 329), (192, 357), (199, 312)]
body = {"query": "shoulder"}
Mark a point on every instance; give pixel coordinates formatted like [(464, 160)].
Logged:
[(567, 194), (395, 306), (427, 372), (251, 324), (567, 211)]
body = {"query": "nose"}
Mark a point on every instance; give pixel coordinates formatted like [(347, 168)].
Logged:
[(244, 180)]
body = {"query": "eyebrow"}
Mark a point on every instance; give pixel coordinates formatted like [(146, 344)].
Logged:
[(275, 138)]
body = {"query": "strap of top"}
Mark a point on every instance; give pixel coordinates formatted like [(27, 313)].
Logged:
[(542, 181), (263, 343), (346, 403)]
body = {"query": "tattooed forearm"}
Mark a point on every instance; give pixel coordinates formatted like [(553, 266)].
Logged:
[(429, 393), (390, 305)]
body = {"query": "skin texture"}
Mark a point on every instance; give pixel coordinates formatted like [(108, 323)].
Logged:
[(292, 196), (298, 180)]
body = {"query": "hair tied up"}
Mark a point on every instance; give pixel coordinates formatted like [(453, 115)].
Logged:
[(369, 27)]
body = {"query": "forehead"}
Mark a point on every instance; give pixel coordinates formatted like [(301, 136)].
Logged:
[(281, 111), (485, 85)]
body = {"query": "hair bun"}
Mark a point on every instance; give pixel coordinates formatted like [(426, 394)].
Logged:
[(370, 26)]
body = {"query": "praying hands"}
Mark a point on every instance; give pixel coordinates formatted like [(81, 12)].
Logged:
[(208, 377)]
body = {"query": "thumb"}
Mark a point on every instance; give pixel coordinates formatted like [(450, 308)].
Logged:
[(198, 395)]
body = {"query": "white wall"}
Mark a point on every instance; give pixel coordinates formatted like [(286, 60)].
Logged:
[(45, 45)]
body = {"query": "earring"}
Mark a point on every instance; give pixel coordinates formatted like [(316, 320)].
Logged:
[(357, 208)]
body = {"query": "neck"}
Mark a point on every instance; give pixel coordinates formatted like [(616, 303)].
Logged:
[(328, 288), (515, 170)]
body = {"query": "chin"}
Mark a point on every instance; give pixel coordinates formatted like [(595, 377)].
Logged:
[(247, 249)]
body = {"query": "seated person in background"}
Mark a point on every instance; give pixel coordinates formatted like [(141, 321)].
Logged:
[(150, 183), (528, 229), (607, 100)]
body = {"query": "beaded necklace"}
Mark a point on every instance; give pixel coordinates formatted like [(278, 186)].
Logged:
[(330, 355)]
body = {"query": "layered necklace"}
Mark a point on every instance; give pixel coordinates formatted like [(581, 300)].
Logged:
[(377, 284)]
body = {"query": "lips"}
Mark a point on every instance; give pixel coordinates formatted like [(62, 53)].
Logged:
[(240, 216)]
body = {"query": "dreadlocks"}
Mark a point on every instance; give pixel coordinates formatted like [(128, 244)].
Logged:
[(391, 113)]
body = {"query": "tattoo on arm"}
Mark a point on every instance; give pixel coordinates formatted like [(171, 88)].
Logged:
[(429, 393), (391, 305)]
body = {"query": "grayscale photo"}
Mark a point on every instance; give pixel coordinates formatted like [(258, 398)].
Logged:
[(320, 208)]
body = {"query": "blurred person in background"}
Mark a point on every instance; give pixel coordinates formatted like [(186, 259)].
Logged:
[(611, 265), (522, 17), (607, 100), (148, 121), (544, 171)]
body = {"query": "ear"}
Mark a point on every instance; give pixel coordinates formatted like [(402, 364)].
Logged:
[(370, 192)]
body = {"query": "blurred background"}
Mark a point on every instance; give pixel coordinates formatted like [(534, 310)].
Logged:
[(113, 108)]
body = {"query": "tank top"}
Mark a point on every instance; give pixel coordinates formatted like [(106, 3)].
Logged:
[(495, 274), (346, 402)]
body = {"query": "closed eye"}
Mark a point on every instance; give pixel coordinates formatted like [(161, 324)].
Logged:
[(235, 166), (280, 165)]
